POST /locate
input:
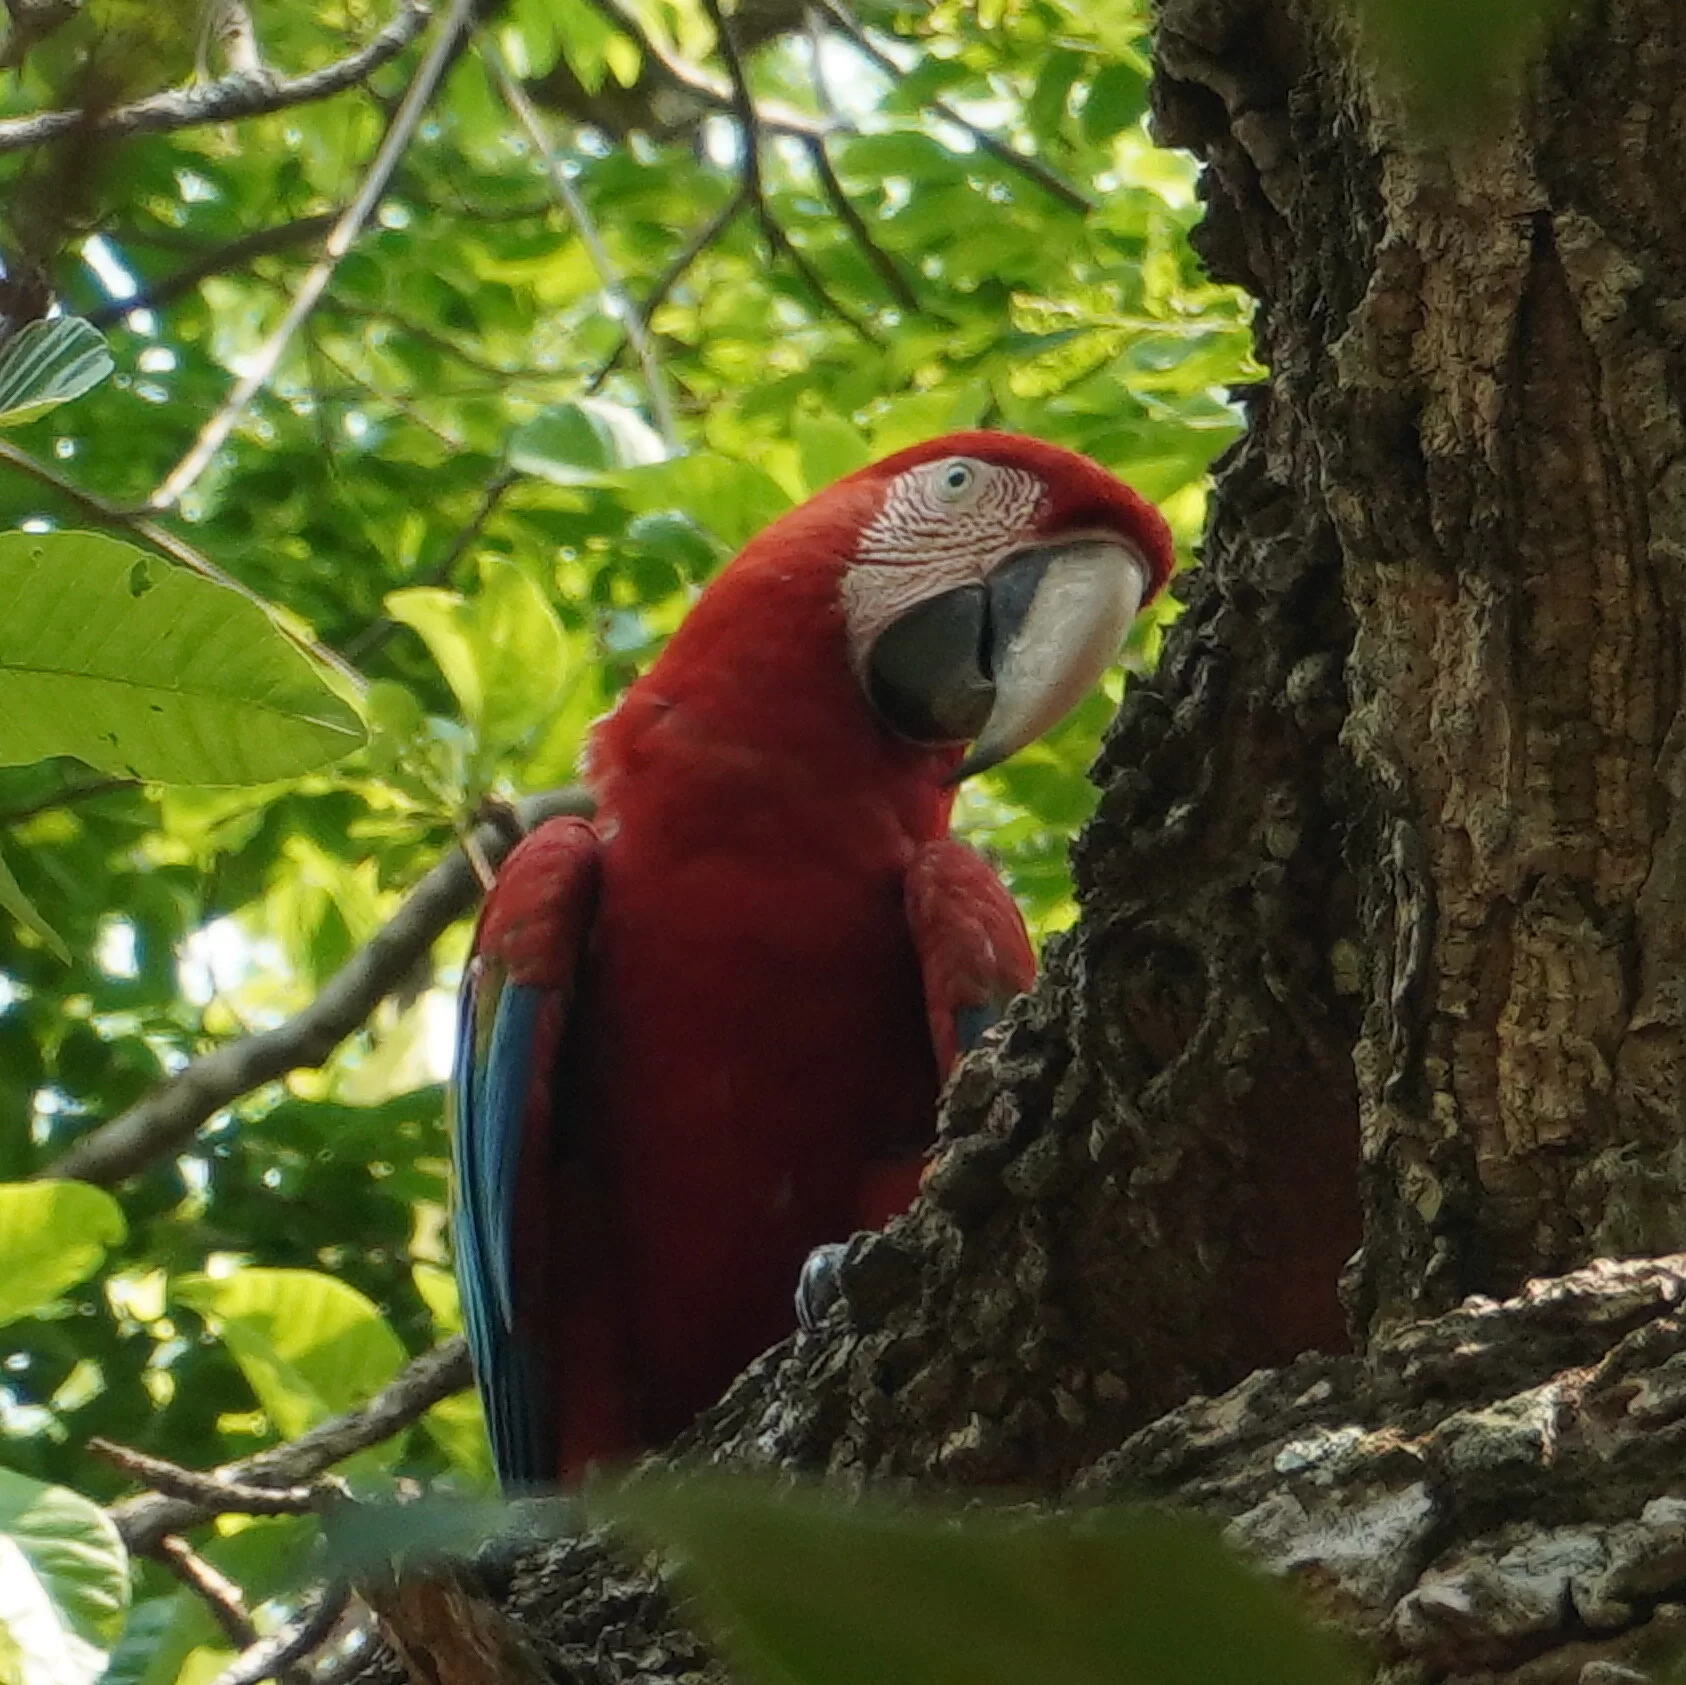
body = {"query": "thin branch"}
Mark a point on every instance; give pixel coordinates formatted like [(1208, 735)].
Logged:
[(1032, 169), (400, 406), (900, 289), (219, 260), (270, 1657), (574, 205), (141, 1522), (167, 543), (491, 495), (167, 1118), (892, 277), (699, 242), (214, 1491), (749, 130), (218, 1593), (775, 117), (222, 101), (350, 224)]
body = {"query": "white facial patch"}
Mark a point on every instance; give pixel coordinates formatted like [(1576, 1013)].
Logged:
[(942, 524)]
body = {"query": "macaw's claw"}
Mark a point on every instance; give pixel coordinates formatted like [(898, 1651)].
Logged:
[(820, 1284)]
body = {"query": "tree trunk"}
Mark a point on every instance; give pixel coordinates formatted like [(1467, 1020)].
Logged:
[(1382, 933)]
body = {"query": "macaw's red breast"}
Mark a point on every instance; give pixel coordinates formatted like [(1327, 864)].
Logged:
[(752, 1027)]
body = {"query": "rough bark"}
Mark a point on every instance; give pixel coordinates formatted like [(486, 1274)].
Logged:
[(1382, 916)]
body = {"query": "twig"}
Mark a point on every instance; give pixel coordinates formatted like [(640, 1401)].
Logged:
[(749, 131), (219, 1593), (168, 544), (222, 101), (699, 242), (166, 1119), (774, 116), (141, 1522), (491, 495), (851, 219), (232, 254), (400, 406), (614, 288), (1032, 169), (270, 1657), (212, 1491), (350, 224)]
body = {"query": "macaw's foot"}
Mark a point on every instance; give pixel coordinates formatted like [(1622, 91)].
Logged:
[(820, 1284)]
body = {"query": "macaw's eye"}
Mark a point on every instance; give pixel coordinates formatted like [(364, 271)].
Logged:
[(954, 480)]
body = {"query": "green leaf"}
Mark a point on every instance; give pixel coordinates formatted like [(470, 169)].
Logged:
[(141, 668), (47, 364), (308, 1345), (810, 1587), (580, 442), (13, 899), (64, 1584), (503, 652), (52, 1235), (829, 448), (731, 499)]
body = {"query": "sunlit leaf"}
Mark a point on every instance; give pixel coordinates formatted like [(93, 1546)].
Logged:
[(47, 364), (64, 1584), (53, 1234), (139, 667), (308, 1345)]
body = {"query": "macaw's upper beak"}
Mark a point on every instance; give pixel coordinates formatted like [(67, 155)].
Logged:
[(1002, 660)]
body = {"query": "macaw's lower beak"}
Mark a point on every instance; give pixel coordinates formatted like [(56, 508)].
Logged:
[(1003, 660)]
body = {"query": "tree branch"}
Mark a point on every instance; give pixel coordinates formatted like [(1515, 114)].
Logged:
[(143, 1521), (222, 101), (614, 288), (271, 1657), (749, 130), (491, 495), (215, 1589), (699, 242), (169, 1116), (897, 283), (216, 1492), (167, 543), (350, 224), (1032, 169), (219, 260)]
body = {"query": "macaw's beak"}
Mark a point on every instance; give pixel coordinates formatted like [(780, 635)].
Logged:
[(1000, 661)]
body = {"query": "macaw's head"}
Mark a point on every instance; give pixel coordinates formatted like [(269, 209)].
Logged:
[(959, 596), (989, 582)]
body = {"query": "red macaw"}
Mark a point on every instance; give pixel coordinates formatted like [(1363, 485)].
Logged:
[(703, 1034)]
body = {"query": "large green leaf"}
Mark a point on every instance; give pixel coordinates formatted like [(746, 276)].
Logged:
[(47, 364), (52, 1235), (503, 652), (139, 667), (308, 1345), (808, 1587), (64, 1584)]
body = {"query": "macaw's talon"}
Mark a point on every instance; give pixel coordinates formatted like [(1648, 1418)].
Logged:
[(501, 815), (820, 1284)]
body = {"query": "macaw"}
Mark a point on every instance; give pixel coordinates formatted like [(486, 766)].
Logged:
[(702, 1035)]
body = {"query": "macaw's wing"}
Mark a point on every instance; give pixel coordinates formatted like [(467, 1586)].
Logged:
[(974, 955), (516, 995)]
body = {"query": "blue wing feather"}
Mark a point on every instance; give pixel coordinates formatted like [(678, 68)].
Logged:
[(489, 1102)]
